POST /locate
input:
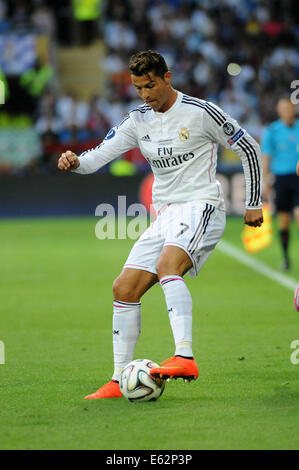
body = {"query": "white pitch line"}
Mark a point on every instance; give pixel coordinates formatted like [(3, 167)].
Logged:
[(230, 250)]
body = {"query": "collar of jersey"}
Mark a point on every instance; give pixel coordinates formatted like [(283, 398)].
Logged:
[(177, 101), (289, 127)]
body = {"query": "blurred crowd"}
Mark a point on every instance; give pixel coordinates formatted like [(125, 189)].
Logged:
[(198, 39)]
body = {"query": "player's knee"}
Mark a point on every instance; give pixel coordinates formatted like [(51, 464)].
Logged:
[(117, 289), (123, 290)]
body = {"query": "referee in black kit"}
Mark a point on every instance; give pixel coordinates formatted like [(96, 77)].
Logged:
[(280, 148)]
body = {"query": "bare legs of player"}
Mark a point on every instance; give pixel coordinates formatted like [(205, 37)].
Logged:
[(131, 284), (128, 289)]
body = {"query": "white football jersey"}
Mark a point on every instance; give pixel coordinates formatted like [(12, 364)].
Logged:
[(181, 147)]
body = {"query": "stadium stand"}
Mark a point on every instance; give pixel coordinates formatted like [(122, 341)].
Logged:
[(43, 42)]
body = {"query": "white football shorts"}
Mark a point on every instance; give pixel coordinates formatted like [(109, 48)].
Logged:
[(195, 227)]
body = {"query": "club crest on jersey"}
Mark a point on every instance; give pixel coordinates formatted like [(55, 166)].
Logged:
[(228, 128), (184, 133)]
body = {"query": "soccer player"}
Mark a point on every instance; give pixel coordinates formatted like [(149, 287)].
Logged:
[(280, 147), (178, 135)]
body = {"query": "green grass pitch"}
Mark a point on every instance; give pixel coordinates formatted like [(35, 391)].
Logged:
[(55, 322)]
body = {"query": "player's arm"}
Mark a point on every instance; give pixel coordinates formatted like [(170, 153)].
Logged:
[(268, 177), (222, 129), (118, 140), (297, 168), (267, 150)]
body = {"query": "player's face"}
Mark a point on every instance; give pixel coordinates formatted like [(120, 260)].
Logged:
[(286, 111), (153, 90)]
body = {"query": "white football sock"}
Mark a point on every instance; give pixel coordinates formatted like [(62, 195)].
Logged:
[(126, 330), (179, 305)]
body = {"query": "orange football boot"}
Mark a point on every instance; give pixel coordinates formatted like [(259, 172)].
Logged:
[(109, 390), (176, 367)]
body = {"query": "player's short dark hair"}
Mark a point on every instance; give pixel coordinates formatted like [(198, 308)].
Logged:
[(144, 62)]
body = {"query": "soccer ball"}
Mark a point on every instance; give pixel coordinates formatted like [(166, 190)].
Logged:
[(136, 383)]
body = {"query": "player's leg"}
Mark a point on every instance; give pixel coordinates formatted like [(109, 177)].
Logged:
[(132, 284), (283, 203), (284, 220), (195, 231), (138, 275), (173, 263), (128, 289)]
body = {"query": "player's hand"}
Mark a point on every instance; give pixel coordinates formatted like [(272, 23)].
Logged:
[(253, 217), (68, 161)]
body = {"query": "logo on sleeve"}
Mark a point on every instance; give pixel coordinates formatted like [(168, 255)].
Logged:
[(110, 134), (236, 137), (228, 128)]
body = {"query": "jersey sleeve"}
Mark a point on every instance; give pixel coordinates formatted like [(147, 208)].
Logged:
[(266, 142), (222, 129), (119, 139)]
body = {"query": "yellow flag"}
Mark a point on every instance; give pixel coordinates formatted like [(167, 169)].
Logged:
[(87, 10), (257, 238)]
